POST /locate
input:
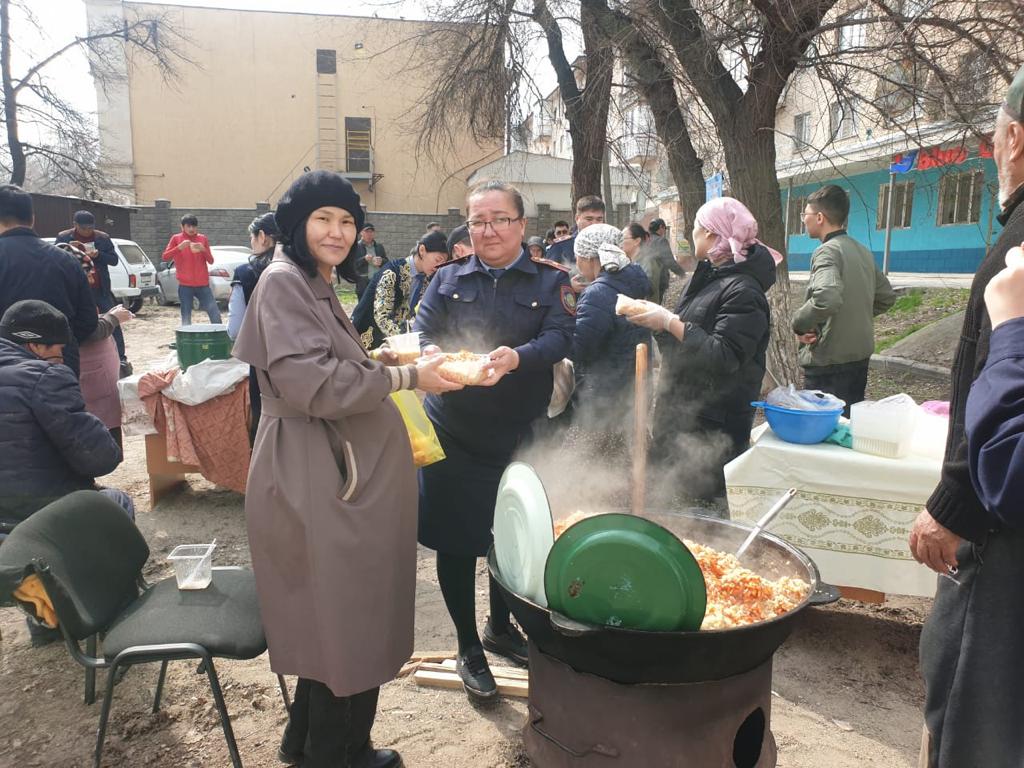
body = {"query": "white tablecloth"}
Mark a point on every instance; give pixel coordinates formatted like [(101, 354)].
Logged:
[(852, 514)]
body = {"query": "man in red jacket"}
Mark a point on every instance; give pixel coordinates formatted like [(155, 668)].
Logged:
[(190, 252)]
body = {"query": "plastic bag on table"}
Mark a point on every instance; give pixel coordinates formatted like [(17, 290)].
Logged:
[(135, 419), (426, 448), (803, 399)]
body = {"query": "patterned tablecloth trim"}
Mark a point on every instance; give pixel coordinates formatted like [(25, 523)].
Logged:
[(845, 524)]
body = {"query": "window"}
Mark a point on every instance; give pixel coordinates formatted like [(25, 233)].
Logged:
[(326, 62), (357, 144), (843, 120), (913, 8), (853, 32), (960, 198), (903, 202), (797, 203), (133, 254), (801, 130)]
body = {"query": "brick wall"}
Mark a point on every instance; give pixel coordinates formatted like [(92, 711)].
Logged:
[(152, 226)]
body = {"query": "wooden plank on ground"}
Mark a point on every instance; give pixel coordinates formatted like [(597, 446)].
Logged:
[(449, 679)]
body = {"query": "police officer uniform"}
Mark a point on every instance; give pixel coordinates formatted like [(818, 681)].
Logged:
[(528, 306)]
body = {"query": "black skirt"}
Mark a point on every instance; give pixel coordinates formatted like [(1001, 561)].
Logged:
[(457, 496)]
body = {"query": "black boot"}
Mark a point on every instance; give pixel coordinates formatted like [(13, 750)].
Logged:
[(291, 751), (476, 675), (508, 642), (377, 758)]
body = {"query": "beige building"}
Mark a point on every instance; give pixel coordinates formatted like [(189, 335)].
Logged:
[(270, 95)]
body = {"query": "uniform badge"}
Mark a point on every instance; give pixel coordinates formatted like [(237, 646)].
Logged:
[(569, 299)]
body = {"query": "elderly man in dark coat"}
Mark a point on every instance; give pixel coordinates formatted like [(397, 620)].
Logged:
[(970, 646)]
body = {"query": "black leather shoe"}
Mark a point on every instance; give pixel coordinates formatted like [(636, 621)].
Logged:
[(476, 675), (509, 643), (378, 758), (290, 758)]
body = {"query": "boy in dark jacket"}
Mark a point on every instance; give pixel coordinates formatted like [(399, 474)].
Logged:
[(51, 445)]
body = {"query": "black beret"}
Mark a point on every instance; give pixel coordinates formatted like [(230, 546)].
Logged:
[(34, 322), (316, 189), (459, 235)]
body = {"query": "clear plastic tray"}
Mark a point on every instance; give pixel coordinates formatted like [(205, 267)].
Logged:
[(193, 565)]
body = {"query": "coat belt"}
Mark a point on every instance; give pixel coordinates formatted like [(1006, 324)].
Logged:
[(275, 406)]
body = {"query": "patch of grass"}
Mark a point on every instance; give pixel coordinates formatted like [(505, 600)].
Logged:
[(346, 293), (949, 299), (888, 341), (909, 301)]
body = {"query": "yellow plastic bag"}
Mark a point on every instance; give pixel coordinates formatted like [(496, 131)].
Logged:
[(426, 448)]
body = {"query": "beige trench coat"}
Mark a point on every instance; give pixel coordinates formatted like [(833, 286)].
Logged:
[(331, 499)]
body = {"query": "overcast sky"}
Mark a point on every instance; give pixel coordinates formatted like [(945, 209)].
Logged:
[(61, 20)]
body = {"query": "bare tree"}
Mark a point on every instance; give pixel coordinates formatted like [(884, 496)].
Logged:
[(43, 126), (482, 78)]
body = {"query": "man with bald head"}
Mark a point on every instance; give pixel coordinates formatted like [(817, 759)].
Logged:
[(972, 646)]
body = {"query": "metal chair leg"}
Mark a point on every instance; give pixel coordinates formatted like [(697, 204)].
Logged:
[(225, 721), (284, 692), (90, 672), (105, 713), (160, 686)]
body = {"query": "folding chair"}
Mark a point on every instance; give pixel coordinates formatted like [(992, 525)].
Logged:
[(89, 557)]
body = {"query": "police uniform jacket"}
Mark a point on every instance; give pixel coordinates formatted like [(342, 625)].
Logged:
[(529, 307)]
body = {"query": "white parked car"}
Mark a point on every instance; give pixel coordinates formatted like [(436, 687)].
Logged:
[(134, 277), (225, 259)]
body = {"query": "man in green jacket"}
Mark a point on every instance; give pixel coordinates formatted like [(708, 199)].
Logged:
[(835, 325)]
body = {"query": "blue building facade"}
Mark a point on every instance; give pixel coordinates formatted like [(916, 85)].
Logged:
[(947, 228)]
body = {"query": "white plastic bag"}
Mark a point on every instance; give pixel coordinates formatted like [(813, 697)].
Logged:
[(803, 399), (206, 380), (135, 419)]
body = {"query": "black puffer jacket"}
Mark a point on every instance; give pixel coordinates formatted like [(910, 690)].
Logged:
[(709, 379), (603, 343), (50, 444)]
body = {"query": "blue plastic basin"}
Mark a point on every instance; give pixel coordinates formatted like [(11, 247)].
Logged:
[(795, 426)]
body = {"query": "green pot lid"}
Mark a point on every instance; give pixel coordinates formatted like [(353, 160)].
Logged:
[(625, 571)]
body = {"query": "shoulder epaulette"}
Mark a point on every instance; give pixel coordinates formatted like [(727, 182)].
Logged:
[(460, 260), (550, 263)]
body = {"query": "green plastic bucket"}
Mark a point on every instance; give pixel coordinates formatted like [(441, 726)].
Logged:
[(202, 342)]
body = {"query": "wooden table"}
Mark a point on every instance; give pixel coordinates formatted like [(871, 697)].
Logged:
[(165, 476)]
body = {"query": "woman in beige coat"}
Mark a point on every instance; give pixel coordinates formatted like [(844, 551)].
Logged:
[(331, 497)]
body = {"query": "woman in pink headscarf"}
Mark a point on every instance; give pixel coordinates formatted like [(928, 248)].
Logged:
[(713, 357)]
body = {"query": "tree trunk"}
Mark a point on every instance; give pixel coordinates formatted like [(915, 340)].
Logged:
[(10, 98), (588, 114), (658, 89), (750, 160), (586, 109)]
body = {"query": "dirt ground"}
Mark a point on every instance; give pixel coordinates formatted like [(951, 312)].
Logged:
[(848, 692)]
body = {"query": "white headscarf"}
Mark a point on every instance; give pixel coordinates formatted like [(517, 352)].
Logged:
[(602, 241)]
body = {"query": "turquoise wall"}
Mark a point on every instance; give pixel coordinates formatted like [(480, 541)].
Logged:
[(925, 246)]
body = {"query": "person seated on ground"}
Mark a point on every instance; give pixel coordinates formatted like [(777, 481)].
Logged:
[(388, 305), (713, 355), (51, 445), (604, 343)]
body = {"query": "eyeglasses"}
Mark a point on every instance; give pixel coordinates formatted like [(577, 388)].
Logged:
[(500, 224)]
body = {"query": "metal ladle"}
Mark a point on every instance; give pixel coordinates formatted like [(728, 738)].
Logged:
[(765, 520)]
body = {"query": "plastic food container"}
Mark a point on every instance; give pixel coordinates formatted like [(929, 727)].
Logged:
[(406, 346), (884, 427), (800, 426), (193, 565)]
